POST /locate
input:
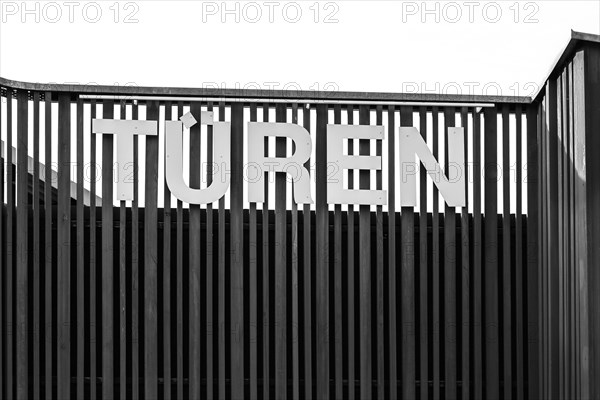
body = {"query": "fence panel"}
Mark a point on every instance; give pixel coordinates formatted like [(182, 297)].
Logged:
[(157, 298)]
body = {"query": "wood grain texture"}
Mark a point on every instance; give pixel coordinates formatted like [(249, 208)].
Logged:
[(266, 273), (450, 263), (93, 249), (81, 265), (380, 273), (351, 280), (63, 274), (322, 261), (22, 276), (123, 249), (392, 315), (492, 352), (307, 274), (210, 274), (9, 342), (520, 260), (478, 265), (465, 272), (195, 250), (507, 289), (435, 268), (107, 294), (36, 255), (167, 273), (365, 273), (222, 334), (281, 266), (237, 254), (253, 288), (423, 273), (337, 279), (135, 267), (151, 261), (407, 291)]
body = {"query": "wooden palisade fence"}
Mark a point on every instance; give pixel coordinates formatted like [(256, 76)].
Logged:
[(159, 299)]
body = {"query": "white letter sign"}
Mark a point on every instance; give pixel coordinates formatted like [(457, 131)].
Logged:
[(293, 165), (412, 144), (124, 131), (336, 194), (174, 159)]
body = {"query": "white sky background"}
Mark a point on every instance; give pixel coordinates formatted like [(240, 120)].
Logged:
[(389, 46)]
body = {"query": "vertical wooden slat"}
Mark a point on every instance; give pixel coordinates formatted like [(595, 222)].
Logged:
[(194, 263), (568, 272), (423, 266), (393, 363), (281, 266), (322, 265), (80, 254), (542, 251), (166, 276), (210, 338), (380, 272), (579, 150), (123, 249), (566, 100), (553, 236), (407, 280), (294, 283), (10, 251), (151, 260), (435, 268), (63, 232), (364, 260), (560, 234), (492, 355), (545, 281), (519, 265), (266, 280), (450, 327), (351, 348), (308, 294), (506, 257), (465, 271), (237, 252), (574, 282), (337, 282), (22, 357), (37, 247), (179, 306), (221, 285), (478, 262), (92, 249), (135, 262), (253, 289), (107, 260)]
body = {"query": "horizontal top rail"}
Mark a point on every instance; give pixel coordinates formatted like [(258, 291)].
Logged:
[(301, 101), (262, 95)]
